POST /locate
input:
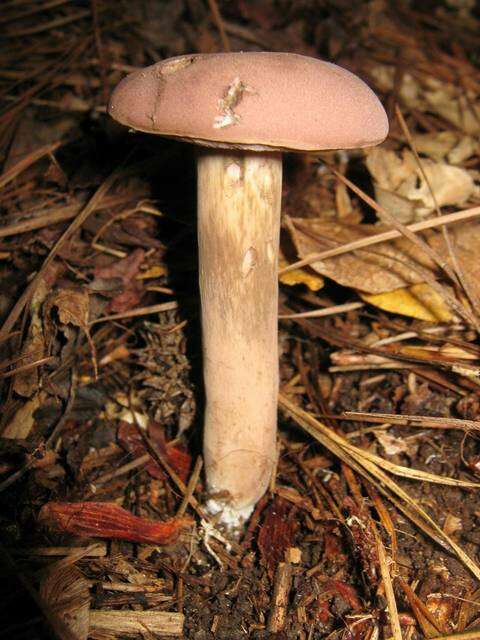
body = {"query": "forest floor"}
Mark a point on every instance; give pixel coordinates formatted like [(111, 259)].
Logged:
[(369, 526)]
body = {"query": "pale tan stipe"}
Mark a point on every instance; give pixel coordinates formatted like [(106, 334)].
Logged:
[(239, 225)]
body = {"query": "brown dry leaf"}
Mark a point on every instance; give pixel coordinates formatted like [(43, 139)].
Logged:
[(26, 383), (418, 301), (391, 444), (22, 422), (400, 186), (65, 591), (72, 307), (465, 238), (426, 93), (385, 267), (446, 145), (452, 524)]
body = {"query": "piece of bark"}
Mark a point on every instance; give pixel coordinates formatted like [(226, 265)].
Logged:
[(281, 593), (117, 623)]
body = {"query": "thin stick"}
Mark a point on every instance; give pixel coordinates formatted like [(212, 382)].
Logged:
[(328, 311), (126, 468), (141, 311), (53, 215), (217, 18), (26, 367), (26, 162), (103, 65), (427, 422), (385, 562), (53, 24), (192, 483)]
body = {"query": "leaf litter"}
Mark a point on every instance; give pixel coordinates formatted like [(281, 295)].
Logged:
[(369, 526)]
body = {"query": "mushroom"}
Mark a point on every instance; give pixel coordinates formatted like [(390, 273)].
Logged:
[(244, 110)]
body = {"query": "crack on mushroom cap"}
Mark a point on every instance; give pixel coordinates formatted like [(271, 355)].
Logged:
[(231, 98)]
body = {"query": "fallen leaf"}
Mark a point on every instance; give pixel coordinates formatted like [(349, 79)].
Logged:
[(66, 592), (34, 348), (22, 422), (121, 274), (465, 238), (301, 276), (418, 301), (426, 93), (157, 271), (400, 184), (446, 145), (177, 456), (391, 444), (108, 520), (72, 306), (453, 524), (385, 267), (125, 269)]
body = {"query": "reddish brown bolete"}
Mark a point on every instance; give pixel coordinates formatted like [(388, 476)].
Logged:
[(248, 108)]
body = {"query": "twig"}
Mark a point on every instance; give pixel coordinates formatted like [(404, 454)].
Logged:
[(53, 215), (385, 563), (125, 468), (328, 311), (26, 162), (47, 26), (141, 311), (217, 18), (192, 483), (100, 51), (426, 422), (27, 367)]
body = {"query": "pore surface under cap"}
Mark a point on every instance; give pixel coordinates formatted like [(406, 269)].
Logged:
[(278, 100)]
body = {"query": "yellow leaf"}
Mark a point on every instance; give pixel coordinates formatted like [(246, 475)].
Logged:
[(417, 301), (154, 272), (301, 276)]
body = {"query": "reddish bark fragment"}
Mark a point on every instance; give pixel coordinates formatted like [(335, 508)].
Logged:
[(177, 456), (276, 533), (346, 592), (125, 269), (126, 300), (108, 520)]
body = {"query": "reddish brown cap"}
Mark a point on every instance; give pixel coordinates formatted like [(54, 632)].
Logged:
[(252, 100)]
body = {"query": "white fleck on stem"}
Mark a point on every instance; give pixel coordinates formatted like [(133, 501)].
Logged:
[(239, 196)]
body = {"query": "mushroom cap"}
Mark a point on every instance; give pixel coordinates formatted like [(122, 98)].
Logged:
[(252, 100)]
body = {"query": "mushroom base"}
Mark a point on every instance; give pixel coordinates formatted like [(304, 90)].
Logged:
[(239, 197)]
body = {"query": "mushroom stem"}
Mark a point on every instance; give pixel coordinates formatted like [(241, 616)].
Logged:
[(239, 197)]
